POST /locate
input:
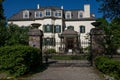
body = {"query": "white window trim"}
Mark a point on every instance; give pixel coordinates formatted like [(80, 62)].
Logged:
[(46, 11), (39, 14), (68, 12), (79, 14), (26, 12), (58, 11)]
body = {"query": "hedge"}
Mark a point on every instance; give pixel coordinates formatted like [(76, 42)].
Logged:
[(18, 60), (50, 51), (108, 66)]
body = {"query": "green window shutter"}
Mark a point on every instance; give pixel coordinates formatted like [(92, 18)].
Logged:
[(59, 28), (51, 28)]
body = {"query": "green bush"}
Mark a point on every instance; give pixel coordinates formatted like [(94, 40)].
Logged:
[(108, 66), (18, 60), (51, 51)]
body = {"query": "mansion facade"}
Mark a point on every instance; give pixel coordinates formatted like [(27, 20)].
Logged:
[(63, 29)]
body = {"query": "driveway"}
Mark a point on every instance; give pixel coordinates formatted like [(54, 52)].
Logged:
[(67, 73)]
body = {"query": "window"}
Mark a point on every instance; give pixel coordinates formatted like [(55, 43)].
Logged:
[(80, 14), (57, 29), (48, 28), (68, 15), (82, 29), (71, 27), (58, 14), (38, 14), (49, 41), (48, 13), (26, 14)]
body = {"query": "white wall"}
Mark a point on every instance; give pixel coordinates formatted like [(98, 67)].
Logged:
[(76, 25)]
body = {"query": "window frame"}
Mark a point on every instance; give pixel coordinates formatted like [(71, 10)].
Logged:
[(79, 14), (82, 29), (38, 12), (51, 42), (45, 27), (70, 27), (46, 11), (26, 12), (56, 27), (58, 13), (68, 13)]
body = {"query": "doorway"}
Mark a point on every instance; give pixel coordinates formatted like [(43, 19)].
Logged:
[(70, 43)]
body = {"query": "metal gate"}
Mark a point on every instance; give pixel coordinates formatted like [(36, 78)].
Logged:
[(70, 57)]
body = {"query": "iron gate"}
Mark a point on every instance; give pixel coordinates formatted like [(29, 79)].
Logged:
[(70, 57)]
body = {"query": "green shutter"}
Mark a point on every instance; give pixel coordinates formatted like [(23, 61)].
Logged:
[(59, 28)]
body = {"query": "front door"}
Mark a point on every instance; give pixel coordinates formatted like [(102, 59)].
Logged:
[(70, 43)]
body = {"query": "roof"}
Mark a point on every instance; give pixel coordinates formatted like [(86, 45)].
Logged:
[(19, 15), (69, 33)]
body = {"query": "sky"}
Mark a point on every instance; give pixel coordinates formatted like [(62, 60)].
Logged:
[(13, 6)]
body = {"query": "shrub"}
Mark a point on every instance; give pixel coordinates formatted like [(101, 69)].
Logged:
[(51, 51), (18, 60), (108, 66)]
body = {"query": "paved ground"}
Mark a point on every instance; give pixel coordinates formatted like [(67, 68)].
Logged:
[(67, 73)]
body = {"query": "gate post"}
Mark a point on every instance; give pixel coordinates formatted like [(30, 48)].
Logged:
[(96, 39), (35, 38)]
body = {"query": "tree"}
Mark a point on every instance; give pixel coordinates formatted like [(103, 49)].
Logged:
[(110, 8), (17, 35), (3, 32), (115, 31)]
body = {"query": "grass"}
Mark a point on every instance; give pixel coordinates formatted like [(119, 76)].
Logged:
[(69, 57)]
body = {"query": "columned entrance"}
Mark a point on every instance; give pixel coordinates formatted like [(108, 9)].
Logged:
[(69, 41)]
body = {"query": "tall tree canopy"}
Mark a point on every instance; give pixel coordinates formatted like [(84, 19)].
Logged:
[(3, 32), (110, 8)]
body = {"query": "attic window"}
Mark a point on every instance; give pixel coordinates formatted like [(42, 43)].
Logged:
[(68, 15), (38, 14), (80, 14), (58, 13), (26, 14), (48, 13)]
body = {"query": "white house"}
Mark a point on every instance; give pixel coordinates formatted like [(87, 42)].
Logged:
[(63, 29)]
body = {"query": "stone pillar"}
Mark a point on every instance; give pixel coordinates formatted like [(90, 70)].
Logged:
[(35, 37), (97, 39)]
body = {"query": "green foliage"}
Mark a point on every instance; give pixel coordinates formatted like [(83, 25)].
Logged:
[(18, 60), (110, 9), (51, 51), (69, 57), (108, 66), (3, 32), (17, 35), (115, 31)]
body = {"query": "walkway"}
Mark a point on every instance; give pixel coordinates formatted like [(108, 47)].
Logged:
[(67, 73)]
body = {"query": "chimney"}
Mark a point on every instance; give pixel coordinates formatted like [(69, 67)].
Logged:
[(38, 6), (87, 10), (62, 7)]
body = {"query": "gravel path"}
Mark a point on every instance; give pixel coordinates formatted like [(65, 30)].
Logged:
[(67, 73)]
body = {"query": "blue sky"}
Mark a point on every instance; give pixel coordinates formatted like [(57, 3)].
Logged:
[(13, 6)]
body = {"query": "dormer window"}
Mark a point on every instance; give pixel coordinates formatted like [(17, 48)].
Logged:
[(48, 13), (38, 14), (80, 14), (26, 14), (68, 15), (58, 13)]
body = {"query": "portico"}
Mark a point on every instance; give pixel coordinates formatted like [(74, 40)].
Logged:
[(70, 40)]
